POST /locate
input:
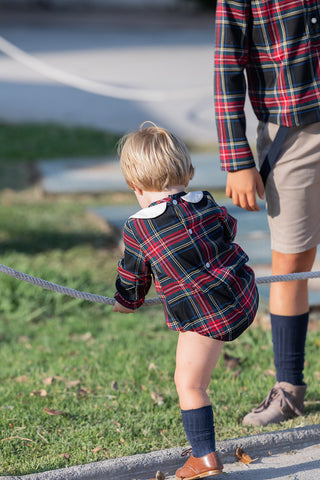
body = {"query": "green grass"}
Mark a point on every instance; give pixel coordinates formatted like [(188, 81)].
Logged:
[(109, 375), (30, 142)]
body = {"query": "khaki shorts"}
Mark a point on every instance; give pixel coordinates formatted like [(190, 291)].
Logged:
[(293, 187)]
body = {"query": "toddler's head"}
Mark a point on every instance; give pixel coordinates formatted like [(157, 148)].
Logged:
[(154, 159)]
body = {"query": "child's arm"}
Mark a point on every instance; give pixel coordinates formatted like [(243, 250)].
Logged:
[(134, 275)]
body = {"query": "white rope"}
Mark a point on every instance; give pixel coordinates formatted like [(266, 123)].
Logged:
[(92, 86), (150, 301)]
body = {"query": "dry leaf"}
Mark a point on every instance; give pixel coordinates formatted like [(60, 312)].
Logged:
[(52, 411), (160, 475), (39, 393), (156, 397), (65, 455), (242, 456), (97, 449), (86, 336), (270, 372), (23, 339), (114, 386), (22, 379), (48, 380), (72, 383), (231, 362), (152, 366), (83, 391)]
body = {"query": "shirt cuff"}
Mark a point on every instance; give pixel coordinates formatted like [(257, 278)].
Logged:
[(133, 305)]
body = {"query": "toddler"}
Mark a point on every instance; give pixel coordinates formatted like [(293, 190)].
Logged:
[(184, 242)]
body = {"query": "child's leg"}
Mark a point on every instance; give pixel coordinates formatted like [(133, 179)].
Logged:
[(196, 358)]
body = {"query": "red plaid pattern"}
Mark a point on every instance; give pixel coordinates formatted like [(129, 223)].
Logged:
[(277, 43), (200, 274)]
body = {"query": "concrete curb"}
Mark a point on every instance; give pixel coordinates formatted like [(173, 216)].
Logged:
[(144, 466)]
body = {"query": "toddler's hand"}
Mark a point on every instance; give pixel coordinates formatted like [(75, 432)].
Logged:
[(117, 307)]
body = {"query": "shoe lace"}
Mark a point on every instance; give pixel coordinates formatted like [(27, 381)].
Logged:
[(285, 400)]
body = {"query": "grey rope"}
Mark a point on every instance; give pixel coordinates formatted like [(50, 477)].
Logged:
[(150, 301)]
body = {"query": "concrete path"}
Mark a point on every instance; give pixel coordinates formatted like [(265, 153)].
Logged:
[(284, 455)]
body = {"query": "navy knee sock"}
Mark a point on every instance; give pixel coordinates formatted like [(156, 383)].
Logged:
[(199, 427), (289, 338)]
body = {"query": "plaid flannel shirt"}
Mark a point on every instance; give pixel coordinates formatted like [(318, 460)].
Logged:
[(185, 242), (277, 43)]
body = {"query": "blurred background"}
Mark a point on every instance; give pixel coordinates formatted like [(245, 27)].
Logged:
[(146, 59)]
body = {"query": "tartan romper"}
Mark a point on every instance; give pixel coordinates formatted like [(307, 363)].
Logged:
[(185, 243)]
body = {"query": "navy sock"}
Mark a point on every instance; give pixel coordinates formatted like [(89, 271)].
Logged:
[(289, 338), (199, 427)]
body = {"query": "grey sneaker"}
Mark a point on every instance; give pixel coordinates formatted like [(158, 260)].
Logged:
[(284, 401)]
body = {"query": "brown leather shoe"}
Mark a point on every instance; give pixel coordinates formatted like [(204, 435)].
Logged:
[(200, 467)]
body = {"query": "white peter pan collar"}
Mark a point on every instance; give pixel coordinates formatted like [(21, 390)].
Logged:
[(160, 208)]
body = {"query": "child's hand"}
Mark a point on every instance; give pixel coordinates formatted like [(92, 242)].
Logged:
[(117, 307)]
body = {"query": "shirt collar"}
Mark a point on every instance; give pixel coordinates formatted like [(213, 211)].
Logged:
[(159, 207)]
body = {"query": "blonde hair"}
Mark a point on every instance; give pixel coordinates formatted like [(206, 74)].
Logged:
[(154, 159)]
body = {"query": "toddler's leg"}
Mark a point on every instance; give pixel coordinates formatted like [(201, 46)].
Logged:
[(195, 360)]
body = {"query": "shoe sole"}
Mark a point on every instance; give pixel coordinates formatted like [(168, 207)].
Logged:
[(202, 475)]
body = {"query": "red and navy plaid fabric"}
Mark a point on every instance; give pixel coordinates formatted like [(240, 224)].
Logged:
[(200, 274), (277, 43)]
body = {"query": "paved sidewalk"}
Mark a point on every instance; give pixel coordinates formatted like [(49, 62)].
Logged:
[(284, 455)]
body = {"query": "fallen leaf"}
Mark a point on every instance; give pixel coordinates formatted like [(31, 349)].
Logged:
[(86, 336), (22, 379), (72, 383), (52, 411), (242, 456), (156, 397), (83, 391), (152, 366), (236, 374), (65, 455), (97, 449), (48, 380), (160, 475), (231, 362), (114, 386), (23, 339), (270, 372), (39, 393)]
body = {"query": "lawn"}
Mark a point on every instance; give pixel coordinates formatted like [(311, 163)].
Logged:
[(79, 383)]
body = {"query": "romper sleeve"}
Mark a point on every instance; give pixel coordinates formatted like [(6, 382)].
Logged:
[(229, 225), (231, 57), (134, 273)]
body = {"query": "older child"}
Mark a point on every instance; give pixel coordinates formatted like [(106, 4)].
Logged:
[(184, 241)]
